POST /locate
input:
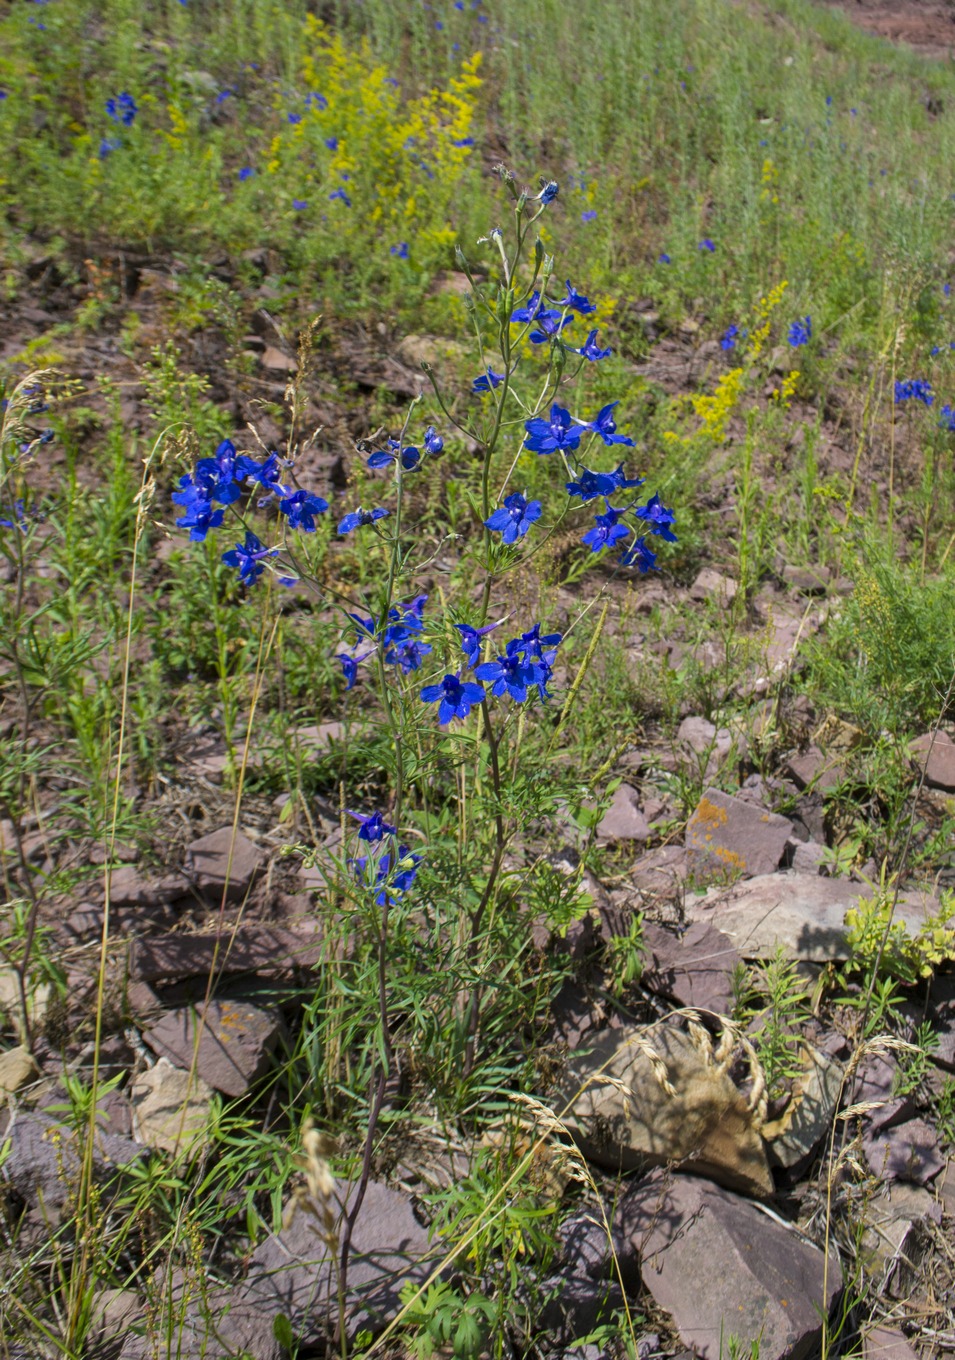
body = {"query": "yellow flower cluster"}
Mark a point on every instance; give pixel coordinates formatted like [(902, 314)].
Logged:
[(715, 411), (764, 310), (770, 177)]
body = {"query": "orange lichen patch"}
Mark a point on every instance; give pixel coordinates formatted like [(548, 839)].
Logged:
[(708, 815), (729, 857)]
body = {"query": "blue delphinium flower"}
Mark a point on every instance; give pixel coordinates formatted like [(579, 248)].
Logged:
[(511, 673), (299, 204), (19, 520), (373, 828), (410, 456), (401, 250), (663, 258), (266, 473), (592, 484), (559, 432), (514, 517), (589, 215), (201, 515), (364, 628), (388, 893), (359, 518), (550, 323), (707, 245), (300, 510), (456, 697), (914, 389), (728, 339), (107, 146), (433, 443), (591, 350), (658, 517), (487, 382), (248, 558), (122, 109), (549, 192), (639, 555), (471, 639), (408, 655), (341, 194), (350, 666), (405, 622), (947, 421), (217, 474), (800, 332), (604, 425), (245, 173), (294, 118), (607, 531), (527, 313), (576, 301)]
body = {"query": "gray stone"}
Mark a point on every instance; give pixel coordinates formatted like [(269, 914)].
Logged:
[(43, 1162), (903, 1152), (713, 585), (276, 362), (662, 871), (651, 1095), (219, 1324), (128, 887), (723, 1270), (170, 1108), (897, 1235), (291, 1272), (815, 770), (695, 969), (16, 1069), (940, 768), (808, 857), (804, 913), (223, 861), (623, 820), (807, 580), (886, 1343), (266, 950), (732, 837), (795, 1135), (235, 1042)]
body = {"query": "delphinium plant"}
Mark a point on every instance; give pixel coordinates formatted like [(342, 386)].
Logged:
[(434, 882)]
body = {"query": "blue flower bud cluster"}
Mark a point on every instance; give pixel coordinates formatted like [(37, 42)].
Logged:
[(388, 875)]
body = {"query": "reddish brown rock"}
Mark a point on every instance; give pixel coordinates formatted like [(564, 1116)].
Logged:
[(623, 820), (813, 770), (693, 970), (223, 861), (729, 836), (265, 950), (235, 1042), (940, 768)]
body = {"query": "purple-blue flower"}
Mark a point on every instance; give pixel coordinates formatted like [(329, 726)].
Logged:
[(914, 389), (639, 555), (433, 443), (591, 350), (604, 425), (122, 109), (401, 250), (410, 456), (300, 510), (514, 517), (350, 666), (728, 339), (549, 192), (947, 421), (550, 323), (589, 215), (471, 639), (246, 173), (359, 518), (510, 674), (487, 382), (456, 698), (527, 313), (663, 258), (201, 516), (217, 474), (340, 193), (658, 517), (800, 332), (607, 530), (592, 484), (576, 301), (559, 432), (706, 244), (373, 828), (248, 558), (265, 473)]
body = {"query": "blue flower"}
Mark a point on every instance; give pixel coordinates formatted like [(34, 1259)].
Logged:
[(559, 432), (487, 381), (373, 828), (107, 145), (663, 258), (549, 192), (391, 885), (462, 141), (195, 498), (217, 474), (550, 324), (511, 673), (947, 421), (471, 639), (122, 109), (409, 655), (607, 531), (592, 484), (248, 558), (359, 518), (914, 389), (728, 340), (604, 425), (527, 313), (589, 215), (410, 457), (340, 193), (19, 520), (331, 143), (406, 621), (299, 203), (363, 627), (245, 173), (514, 518), (350, 666), (706, 244), (800, 332), (265, 473), (433, 443), (591, 350), (658, 517), (639, 555), (576, 301), (457, 699), (294, 118), (300, 510), (401, 250)]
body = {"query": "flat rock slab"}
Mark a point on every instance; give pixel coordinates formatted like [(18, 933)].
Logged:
[(623, 820), (723, 1269), (223, 861), (904, 1152), (799, 1130), (726, 834), (266, 950), (615, 1102), (231, 1042), (291, 1272), (940, 769), (815, 770), (887, 1343), (695, 969), (803, 913), (662, 871), (43, 1161)]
